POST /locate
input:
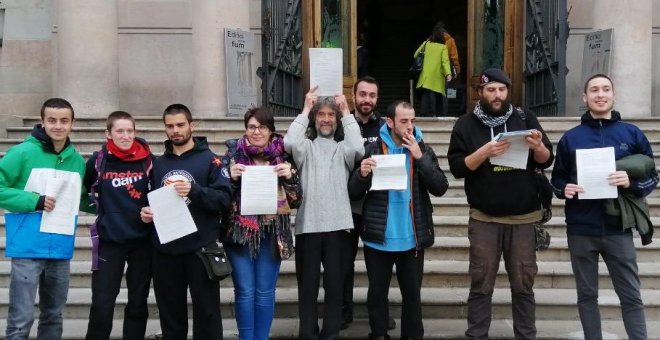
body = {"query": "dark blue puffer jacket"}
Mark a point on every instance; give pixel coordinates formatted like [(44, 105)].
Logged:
[(587, 217)]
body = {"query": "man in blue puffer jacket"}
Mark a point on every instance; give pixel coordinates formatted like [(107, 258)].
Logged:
[(398, 224), (590, 231)]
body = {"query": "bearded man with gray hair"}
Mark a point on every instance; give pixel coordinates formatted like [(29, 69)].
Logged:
[(326, 143)]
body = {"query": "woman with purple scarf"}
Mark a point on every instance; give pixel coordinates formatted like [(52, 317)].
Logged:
[(257, 244)]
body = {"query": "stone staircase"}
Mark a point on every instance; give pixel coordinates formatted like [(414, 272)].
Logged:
[(446, 279)]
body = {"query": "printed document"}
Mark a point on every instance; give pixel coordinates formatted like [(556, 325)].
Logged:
[(390, 172), (171, 215), (326, 70), (66, 191), (593, 167), (517, 154), (259, 190)]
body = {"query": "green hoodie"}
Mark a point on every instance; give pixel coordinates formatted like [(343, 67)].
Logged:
[(22, 221)]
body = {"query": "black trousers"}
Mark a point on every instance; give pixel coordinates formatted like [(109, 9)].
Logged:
[(349, 268), (173, 275), (106, 282), (433, 103), (409, 273), (312, 251)]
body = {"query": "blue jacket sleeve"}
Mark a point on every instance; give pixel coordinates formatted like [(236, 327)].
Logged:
[(563, 171)]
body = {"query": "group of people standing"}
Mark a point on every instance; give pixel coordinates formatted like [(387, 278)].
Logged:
[(324, 166)]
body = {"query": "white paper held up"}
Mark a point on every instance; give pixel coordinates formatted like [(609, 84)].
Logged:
[(593, 167), (390, 172), (62, 219), (326, 70), (259, 190), (517, 154), (171, 215)]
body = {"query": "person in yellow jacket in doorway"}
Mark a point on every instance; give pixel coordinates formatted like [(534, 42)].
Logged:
[(436, 70)]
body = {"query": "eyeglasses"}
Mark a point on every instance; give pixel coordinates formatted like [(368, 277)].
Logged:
[(262, 128)]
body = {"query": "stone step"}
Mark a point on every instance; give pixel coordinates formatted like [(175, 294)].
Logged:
[(445, 248), (437, 273), (434, 329), (447, 226), (450, 303)]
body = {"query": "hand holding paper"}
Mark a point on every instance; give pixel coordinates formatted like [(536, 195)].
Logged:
[(389, 172), (170, 214), (325, 70), (259, 190), (594, 167)]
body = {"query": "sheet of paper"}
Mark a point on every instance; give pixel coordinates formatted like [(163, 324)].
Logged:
[(259, 190), (62, 219), (517, 154), (326, 70), (513, 134), (593, 167), (390, 173), (171, 215)]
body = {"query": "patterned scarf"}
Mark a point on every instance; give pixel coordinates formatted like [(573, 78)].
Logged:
[(249, 229), (491, 121)]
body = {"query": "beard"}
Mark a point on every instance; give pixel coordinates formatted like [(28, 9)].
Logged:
[(182, 141), (364, 110), (489, 110)]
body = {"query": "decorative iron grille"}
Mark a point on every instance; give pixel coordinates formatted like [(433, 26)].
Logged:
[(545, 56), (281, 71)]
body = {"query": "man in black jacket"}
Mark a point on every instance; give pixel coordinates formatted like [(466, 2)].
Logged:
[(365, 98), (398, 224), (195, 172), (504, 203)]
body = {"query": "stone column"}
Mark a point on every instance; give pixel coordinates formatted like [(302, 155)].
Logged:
[(210, 18), (631, 58), (87, 73)]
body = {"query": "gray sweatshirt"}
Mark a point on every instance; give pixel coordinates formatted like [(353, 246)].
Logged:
[(324, 170)]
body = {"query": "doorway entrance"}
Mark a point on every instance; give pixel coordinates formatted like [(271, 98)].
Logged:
[(389, 32)]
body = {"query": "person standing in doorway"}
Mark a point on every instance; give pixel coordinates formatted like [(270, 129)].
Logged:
[(436, 72)]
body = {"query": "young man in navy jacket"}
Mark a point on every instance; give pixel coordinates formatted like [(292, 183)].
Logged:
[(195, 172), (591, 232)]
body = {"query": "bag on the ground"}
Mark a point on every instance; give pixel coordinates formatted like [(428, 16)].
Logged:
[(417, 64), (215, 261)]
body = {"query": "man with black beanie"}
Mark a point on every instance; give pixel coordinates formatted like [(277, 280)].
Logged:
[(504, 203)]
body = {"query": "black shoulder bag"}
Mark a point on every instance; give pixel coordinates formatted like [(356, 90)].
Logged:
[(417, 64), (215, 261)]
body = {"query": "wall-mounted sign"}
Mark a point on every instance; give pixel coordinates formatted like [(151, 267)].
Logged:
[(241, 77)]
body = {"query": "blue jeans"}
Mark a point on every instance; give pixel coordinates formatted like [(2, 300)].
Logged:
[(254, 288), (52, 279), (620, 256)]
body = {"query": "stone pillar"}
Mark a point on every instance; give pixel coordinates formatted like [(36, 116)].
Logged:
[(210, 18), (87, 73), (631, 58)]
